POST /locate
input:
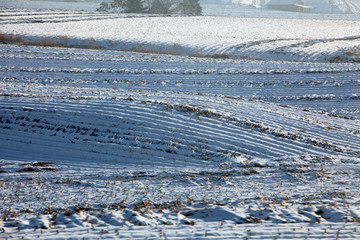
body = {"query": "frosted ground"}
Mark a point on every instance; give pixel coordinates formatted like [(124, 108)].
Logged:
[(250, 130)]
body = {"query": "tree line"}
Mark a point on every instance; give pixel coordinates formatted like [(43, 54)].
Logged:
[(183, 7)]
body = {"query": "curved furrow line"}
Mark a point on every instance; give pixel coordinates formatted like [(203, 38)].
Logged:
[(93, 147), (205, 137), (289, 145), (99, 153), (199, 132), (222, 136), (315, 133), (272, 119), (212, 128), (336, 125), (308, 131), (316, 125), (211, 134), (312, 128), (296, 138), (354, 125)]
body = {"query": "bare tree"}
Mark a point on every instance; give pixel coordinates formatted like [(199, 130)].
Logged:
[(128, 6), (189, 7), (163, 6), (183, 7)]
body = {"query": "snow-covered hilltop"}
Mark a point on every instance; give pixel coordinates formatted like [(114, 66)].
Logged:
[(334, 6), (318, 6)]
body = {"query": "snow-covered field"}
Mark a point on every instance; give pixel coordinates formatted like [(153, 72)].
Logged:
[(219, 37), (102, 143)]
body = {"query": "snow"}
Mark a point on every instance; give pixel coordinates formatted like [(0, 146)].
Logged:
[(46, 4), (224, 37), (282, 2), (335, 6), (102, 143)]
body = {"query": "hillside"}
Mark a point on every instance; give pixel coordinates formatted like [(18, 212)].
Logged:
[(320, 6), (335, 6), (205, 36)]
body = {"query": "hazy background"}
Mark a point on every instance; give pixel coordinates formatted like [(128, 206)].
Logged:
[(241, 8)]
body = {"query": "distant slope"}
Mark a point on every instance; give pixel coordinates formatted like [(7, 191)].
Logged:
[(238, 38), (321, 6), (334, 6)]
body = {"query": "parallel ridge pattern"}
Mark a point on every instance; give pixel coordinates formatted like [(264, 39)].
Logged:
[(213, 117), (150, 127), (293, 84), (110, 145)]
